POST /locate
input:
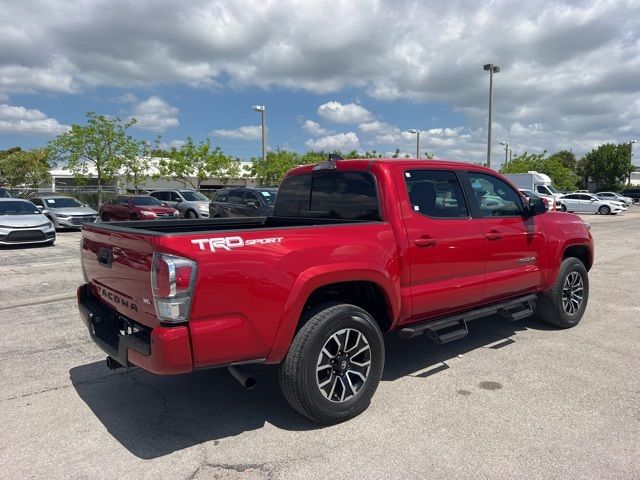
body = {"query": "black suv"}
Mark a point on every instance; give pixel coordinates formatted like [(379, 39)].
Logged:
[(243, 202), (632, 193)]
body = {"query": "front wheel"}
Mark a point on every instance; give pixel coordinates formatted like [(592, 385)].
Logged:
[(563, 208), (191, 214), (563, 305), (105, 217), (334, 365), (604, 210)]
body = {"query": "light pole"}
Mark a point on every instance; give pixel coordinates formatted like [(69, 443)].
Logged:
[(417, 133), (262, 109), (631, 142), (510, 154), (491, 68), (506, 152)]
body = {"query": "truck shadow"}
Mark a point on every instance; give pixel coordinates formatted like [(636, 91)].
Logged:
[(153, 416)]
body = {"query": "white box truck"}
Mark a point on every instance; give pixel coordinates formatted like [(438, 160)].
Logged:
[(536, 182)]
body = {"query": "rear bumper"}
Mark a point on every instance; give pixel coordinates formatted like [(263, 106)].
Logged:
[(161, 350)]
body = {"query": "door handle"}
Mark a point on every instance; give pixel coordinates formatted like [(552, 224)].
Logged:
[(493, 235), (425, 242)]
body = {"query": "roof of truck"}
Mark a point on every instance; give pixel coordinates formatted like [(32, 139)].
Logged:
[(366, 163)]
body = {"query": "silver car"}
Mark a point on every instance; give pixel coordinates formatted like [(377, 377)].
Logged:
[(189, 203), (22, 222), (65, 212)]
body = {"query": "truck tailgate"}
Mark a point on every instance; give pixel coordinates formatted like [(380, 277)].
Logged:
[(118, 268)]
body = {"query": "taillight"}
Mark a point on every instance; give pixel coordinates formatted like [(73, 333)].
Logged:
[(172, 281), (84, 272)]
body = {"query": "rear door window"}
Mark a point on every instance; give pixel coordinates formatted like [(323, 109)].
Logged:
[(436, 193), (235, 196)]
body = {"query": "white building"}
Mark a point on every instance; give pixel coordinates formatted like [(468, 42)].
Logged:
[(62, 179)]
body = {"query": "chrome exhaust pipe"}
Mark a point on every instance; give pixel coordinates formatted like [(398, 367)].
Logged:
[(246, 380)]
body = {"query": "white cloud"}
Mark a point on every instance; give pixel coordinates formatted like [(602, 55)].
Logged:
[(24, 121), (314, 128), (249, 132), (571, 66), (155, 115), (339, 113), (341, 141)]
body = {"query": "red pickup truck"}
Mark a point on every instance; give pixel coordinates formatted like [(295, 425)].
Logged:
[(355, 249)]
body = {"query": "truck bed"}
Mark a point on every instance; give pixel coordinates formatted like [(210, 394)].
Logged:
[(173, 227)]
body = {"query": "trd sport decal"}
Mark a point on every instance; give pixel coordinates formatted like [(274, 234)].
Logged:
[(227, 243)]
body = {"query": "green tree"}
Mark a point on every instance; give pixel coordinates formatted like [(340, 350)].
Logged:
[(609, 165), (136, 169), (567, 158), (278, 162), (102, 144), (192, 163), (28, 168)]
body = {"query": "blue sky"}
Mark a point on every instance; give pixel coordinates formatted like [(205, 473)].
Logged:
[(349, 75)]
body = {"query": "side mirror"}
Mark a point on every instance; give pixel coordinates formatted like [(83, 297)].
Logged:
[(164, 204), (39, 207), (43, 211), (536, 206)]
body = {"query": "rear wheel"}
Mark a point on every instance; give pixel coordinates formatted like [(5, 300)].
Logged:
[(563, 208), (604, 210), (105, 217), (565, 302), (334, 365)]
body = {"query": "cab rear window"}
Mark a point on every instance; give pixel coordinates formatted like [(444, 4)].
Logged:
[(335, 195)]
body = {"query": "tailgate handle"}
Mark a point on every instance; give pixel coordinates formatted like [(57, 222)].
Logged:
[(105, 257)]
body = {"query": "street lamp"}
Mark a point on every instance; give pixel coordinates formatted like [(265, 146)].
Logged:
[(506, 152), (491, 68), (631, 142), (417, 133), (510, 153), (262, 109)]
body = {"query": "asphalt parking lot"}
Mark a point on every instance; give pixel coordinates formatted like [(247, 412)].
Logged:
[(510, 400)]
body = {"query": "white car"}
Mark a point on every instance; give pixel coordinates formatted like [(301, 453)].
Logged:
[(22, 222), (616, 197), (588, 203)]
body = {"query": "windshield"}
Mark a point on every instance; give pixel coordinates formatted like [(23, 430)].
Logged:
[(149, 201), (551, 189), (18, 207), (269, 196), (191, 196), (62, 202)]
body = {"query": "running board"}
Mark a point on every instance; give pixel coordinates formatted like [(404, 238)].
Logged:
[(451, 328)]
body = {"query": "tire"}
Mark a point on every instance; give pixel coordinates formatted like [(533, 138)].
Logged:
[(553, 307), (604, 210), (331, 328), (134, 217), (190, 214), (51, 243), (563, 208), (104, 217)]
